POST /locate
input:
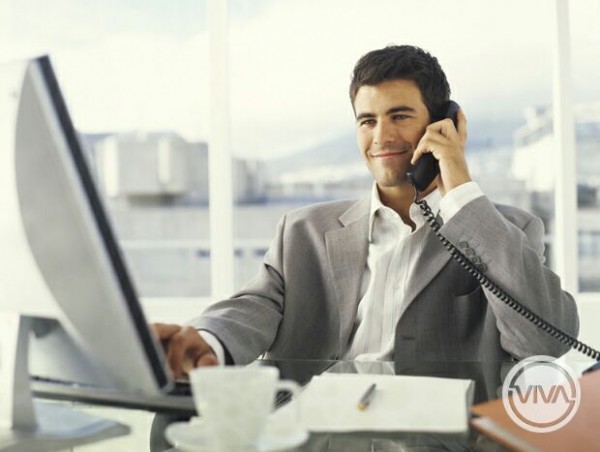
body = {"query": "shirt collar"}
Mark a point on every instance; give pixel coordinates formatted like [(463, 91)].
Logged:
[(433, 199)]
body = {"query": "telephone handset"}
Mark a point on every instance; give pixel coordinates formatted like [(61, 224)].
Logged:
[(427, 168), (421, 175)]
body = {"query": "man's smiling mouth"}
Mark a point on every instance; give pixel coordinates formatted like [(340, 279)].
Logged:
[(388, 153), (390, 150)]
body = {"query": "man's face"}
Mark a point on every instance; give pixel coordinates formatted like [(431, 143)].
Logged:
[(390, 120)]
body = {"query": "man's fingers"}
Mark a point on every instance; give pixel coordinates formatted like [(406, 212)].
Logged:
[(208, 359), (178, 347), (165, 330), (185, 350), (462, 125), (428, 144)]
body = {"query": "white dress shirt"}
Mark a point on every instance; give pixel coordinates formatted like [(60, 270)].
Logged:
[(393, 252)]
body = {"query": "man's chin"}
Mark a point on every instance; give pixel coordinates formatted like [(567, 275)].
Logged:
[(400, 181)]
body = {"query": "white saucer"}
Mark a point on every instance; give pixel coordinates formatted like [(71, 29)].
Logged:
[(191, 436)]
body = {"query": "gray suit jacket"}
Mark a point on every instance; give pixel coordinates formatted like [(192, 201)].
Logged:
[(303, 302)]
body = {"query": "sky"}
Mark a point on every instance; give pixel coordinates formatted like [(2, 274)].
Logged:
[(143, 65)]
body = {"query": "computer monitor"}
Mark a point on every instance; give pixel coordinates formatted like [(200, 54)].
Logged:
[(66, 298)]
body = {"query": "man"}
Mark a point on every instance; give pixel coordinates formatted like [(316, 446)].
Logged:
[(369, 279)]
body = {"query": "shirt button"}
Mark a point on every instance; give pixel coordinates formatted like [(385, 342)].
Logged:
[(463, 244)]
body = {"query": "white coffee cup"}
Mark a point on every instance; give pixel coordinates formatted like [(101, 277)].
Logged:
[(235, 401)]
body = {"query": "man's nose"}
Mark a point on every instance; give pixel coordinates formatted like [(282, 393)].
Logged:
[(383, 134)]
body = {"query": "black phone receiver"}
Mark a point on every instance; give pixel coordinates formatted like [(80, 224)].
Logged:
[(427, 168)]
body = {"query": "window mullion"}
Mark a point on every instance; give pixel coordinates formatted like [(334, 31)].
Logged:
[(219, 153), (565, 195)]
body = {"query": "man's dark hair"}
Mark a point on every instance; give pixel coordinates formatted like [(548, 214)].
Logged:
[(406, 63)]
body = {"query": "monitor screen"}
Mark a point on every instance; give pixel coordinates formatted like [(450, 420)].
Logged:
[(62, 268)]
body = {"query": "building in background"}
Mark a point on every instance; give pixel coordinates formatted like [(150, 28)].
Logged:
[(163, 169), (534, 164), (155, 186)]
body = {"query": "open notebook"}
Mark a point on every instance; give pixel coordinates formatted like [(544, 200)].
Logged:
[(400, 403)]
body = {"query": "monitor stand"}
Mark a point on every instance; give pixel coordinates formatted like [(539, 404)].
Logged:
[(37, 426)]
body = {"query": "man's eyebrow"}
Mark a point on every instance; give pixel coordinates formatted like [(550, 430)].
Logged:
[(391, 111), (364, 116), (401, 109)]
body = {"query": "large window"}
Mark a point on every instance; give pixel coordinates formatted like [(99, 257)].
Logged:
[(136, 78)]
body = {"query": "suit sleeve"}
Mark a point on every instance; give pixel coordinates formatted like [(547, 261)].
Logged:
[(247, 323), (511, 253)]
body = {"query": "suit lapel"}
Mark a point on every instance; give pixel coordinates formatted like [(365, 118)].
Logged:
[(431, 261), (347, 253)]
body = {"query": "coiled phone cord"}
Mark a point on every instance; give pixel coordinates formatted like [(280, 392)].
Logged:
[(497, 291)]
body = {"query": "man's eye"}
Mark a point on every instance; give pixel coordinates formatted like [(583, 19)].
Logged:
[(367, 122), (401, 117)]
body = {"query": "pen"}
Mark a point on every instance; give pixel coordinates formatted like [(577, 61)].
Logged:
[(366, 398)]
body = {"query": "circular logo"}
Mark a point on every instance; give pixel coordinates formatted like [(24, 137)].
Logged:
[(541, 395)]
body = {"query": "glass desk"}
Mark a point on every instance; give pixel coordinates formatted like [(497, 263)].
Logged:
[(487, 377)]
